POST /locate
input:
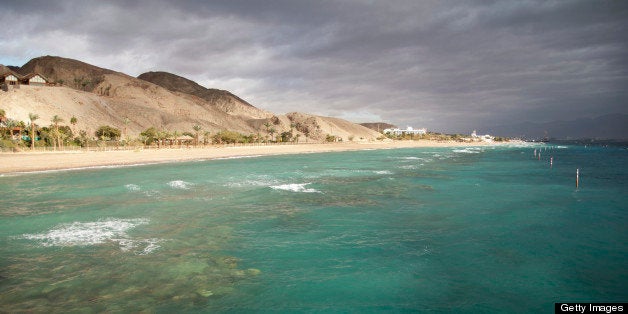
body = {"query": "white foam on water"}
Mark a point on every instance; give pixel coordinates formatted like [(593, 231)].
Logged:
[(411, 158), (409, 167), (179, 184), (152, 193), (151, 246), (141, 247), (253, 181), (238, 157), (295, 187), (469, 150), (383, 172), (248, 183), (87, 233), (132, 187)]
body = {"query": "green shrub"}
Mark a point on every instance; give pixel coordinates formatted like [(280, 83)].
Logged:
[(106, 132)]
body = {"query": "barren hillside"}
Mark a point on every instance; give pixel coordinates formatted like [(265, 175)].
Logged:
[(148, 106), (97, 96), (221, 99)]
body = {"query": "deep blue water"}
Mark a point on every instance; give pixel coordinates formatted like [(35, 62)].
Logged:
[(407, 230)]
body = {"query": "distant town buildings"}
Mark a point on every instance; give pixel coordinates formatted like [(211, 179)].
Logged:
[(408, 130)]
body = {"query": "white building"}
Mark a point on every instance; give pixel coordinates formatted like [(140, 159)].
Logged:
[(485, 137), (408, 130)]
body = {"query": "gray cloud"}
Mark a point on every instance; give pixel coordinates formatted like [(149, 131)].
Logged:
[(447, 65)]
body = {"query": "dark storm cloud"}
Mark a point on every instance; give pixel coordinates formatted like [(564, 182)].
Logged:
[(447, 65)]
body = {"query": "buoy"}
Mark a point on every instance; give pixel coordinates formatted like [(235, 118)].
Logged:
[(577, 177), (535, 152)]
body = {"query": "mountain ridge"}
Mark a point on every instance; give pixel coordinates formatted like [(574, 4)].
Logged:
[(98, 96), (224, 100)]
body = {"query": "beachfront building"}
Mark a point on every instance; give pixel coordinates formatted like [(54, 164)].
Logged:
[(409, 130), (484, 138)]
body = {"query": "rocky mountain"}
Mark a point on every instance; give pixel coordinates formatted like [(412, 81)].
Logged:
[(221, 99), (98, 96)]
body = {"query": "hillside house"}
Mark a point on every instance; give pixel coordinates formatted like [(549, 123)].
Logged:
[(13, 80), (34, 79), (9, 79)]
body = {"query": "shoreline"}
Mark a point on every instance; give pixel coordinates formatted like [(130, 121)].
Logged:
[(33, 162)]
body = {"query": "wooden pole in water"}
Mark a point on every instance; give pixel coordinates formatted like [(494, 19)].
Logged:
[(577, 177), (551, 161)]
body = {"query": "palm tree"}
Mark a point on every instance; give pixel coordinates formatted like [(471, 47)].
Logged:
[(33, 117), (10, 124), (3, 115), (56, 120), (73, 122), (197, 128), (272, 131), (160, 137), (175, 135), (206, 135), (267, 125)]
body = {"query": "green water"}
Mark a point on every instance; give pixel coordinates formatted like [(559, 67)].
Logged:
[(406, 230)]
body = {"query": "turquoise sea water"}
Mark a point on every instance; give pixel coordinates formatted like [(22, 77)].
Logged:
[(403, 230)]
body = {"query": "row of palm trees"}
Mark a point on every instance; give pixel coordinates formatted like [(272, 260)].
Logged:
[(57, 137), (56, 120)]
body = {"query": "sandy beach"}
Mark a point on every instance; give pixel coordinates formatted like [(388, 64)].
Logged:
[(43, 161)]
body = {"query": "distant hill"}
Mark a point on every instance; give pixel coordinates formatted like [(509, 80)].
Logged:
[(222, 99), (610, 126), (378, 126)]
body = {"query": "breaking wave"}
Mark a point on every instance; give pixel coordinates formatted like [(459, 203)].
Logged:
[(295, 187), (383, 172), (238, 157), (95, 233), (179, 184), (132, 187), (262, 180), (469, 150)]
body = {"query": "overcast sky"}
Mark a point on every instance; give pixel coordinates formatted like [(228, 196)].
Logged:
[(449, 66)]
